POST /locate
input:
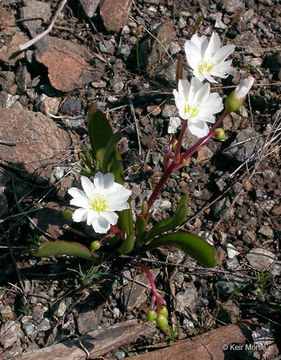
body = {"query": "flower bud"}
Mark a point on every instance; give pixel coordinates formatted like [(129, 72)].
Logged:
[(150, 315), (236, 98), (95, 245), (219, 134), (162, 322), (164, 311), (67, 214)]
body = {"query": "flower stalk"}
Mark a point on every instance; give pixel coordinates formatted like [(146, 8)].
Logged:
[(179, 161)]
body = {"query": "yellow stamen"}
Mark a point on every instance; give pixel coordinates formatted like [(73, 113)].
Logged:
[(99, 203), (193, 111), (204, 67)]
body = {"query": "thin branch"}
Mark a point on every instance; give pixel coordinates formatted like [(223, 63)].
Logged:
[(46, 32)]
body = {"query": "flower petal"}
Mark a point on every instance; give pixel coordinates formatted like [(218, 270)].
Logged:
[(111, 217), (198, 128), (213, 46), (80, 215), (223, 53), (100, 225), (108, 180), (98, 181), (87, 186)]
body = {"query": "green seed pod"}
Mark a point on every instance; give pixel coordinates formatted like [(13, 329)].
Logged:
[(67, 214), (162, 322), (164, 311), (150, 315), (219, 134), (95, 245)]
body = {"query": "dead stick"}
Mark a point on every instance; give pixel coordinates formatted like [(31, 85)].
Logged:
[(44, 33)]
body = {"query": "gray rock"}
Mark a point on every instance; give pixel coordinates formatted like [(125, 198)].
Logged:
[(38, 10), (264, 343), (49, 105), (246, 144), (186, 300), (275, 269), (89, 320), (232, 264), (220, 207), (10, 332), (90, 6), (7, 313), (249, 43), (182, 23), (38, 141), (28, 327), (44, 325), (231, 312), (204, 155), (219, 24), (266, 231), (231, 6), (151, 50), (174, 48), (23, 78), (136, 294), (7, 82), (60, 309), (260, 259), (120, 354), (229, 283), (169, 111), (38, 312), (117, 84), (161, 205), (124, 50), (164, 74), (268, 174), (106, 46)]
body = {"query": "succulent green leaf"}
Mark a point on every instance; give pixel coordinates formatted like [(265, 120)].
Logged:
[(110, 153), (170, 223), (128, 244), (140, 230), (99, 131), (64, 248), (193, 245)]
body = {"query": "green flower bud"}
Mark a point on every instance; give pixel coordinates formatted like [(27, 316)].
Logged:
[(235, 99), (219, 134), (150, 315), (162, 322), (67, 214), (164, 311), (95, 245)]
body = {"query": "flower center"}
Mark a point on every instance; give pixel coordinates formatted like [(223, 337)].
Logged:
[(192, 111), (204, 67), (99, 203)]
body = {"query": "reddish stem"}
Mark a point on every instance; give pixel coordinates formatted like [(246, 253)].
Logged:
[(155, 296), (183, 128), (178, 162)]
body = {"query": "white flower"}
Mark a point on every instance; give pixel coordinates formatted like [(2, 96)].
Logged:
[(207, 58), (196, 104), (99, 201), (244, 87)]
